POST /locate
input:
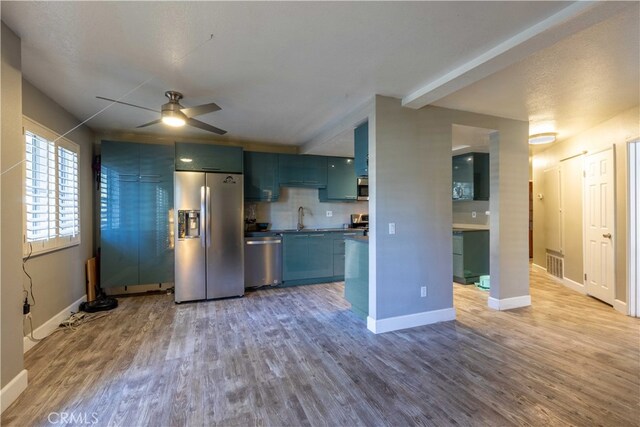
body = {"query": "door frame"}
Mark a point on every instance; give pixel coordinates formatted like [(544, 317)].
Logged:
[(584, 219), (633, 224)]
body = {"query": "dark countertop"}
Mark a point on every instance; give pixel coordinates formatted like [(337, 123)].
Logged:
[(457, 229), (303, 231), (361, 239)]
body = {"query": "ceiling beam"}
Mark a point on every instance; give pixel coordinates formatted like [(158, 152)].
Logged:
[(333, 129), (570, 20)]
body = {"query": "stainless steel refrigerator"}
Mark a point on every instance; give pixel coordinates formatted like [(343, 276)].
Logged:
[(209, 236)]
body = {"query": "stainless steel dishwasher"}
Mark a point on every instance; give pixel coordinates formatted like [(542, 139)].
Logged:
[(262, 261)]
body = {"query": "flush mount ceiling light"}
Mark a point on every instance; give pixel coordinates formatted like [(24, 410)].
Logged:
[(542, 138)]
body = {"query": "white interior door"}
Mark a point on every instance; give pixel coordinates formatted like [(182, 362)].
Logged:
[(599, 219)]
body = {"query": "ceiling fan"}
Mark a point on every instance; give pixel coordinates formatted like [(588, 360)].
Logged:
[(174, 114)]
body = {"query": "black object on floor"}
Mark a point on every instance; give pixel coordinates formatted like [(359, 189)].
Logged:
[(103, 303)]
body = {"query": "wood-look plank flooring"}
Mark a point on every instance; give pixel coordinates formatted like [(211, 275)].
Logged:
[(299, 357)]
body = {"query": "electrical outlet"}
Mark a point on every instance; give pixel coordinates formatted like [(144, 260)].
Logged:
[(423, 291), (392, 228), (329, 214), (473, 214)]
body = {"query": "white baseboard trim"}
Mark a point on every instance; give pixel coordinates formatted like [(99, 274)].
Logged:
[(51, 325), (13, 389), (378, 326), (539, 267), (578, 287), (509, 303), (621, 307)]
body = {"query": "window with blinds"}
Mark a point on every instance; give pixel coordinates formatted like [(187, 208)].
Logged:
[(51, 193)]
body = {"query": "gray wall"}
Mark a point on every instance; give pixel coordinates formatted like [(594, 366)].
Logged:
[(11, 207), (59, 277), (410, 183)]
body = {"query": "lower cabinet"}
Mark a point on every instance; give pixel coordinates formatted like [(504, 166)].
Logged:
[(314, 257), (470, 255)]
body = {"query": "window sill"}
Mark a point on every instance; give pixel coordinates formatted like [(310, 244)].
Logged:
[(44, 251)]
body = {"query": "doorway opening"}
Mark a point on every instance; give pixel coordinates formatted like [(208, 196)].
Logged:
[(470, 194)]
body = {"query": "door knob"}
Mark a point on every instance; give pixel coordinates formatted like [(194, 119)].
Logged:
[(607, 235)]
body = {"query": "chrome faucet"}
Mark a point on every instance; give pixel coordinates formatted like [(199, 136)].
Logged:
[(300, 218)]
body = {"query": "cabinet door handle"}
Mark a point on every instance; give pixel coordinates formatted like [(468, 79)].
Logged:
[(149, 176), (316, 235), (349, 234), (210, 169)]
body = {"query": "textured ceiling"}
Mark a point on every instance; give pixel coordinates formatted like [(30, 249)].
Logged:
[(580, 81), (281, 71)]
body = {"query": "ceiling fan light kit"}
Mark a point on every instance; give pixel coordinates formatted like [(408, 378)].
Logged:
[(542, 138), (175, 115)]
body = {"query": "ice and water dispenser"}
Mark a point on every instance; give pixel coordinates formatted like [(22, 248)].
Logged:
[(188, 224)]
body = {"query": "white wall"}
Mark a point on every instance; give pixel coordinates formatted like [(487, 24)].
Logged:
[(283, 214)]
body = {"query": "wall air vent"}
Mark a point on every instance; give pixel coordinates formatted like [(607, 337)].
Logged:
[(555, 265)]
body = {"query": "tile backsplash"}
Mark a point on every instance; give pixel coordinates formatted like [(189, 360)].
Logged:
[(463, 212), (283, 214)]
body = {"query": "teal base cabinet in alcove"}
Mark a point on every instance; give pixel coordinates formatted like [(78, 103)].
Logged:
[(470, 255), (136, 202)]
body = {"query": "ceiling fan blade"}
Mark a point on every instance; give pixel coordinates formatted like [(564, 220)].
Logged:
[(199, 110), (126, 103), (205, 126), (150, 123)]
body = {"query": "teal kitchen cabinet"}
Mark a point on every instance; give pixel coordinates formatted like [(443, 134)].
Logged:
[(295, 256), (261, 176), (119, 219), (356, 277), (155, 246), (208, 158), (470, 177), (136, 199), (341, 181), (361, 149), (320, 259), (314, 257), (339, 252), (306, 256), (470, 255), (302, 171)]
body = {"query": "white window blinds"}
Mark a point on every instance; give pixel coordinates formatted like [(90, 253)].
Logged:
[(51, 192)]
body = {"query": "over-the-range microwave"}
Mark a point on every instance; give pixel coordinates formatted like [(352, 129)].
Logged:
[(363, 188)]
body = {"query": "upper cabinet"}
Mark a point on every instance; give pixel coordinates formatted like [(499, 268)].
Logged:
[(470, 177), (341, 180), (361, 149), (208, 158), (302, 171), (261, 176)]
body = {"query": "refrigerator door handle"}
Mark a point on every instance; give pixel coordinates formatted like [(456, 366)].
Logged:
[(202, 212), (208, 216)]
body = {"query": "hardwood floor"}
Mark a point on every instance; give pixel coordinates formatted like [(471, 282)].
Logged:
[(298, 356)]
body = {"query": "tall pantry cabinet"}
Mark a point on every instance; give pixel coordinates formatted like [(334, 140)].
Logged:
[(136, 204)]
